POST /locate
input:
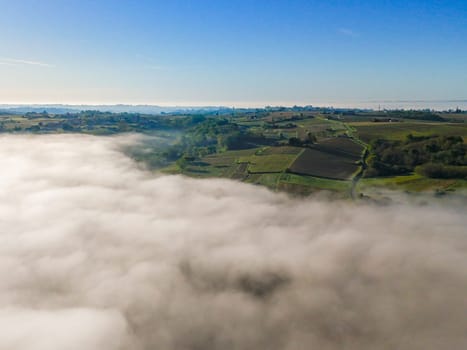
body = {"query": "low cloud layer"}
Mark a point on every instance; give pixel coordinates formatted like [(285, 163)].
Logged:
[(97, 253)]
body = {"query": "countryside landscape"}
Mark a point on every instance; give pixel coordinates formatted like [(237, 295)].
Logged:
[(348, 153), (233, 175)]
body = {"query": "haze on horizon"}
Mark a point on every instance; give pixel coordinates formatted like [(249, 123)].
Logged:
[(232, 53)]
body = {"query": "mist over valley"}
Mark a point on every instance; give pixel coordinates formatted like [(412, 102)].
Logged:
[(98, 252)]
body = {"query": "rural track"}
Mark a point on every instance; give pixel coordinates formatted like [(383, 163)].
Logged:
[(359, 175), (364, 165)]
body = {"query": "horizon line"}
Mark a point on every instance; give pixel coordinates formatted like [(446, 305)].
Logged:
[(236, 104)]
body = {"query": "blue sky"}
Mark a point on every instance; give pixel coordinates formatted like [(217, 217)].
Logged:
[(242, 53)]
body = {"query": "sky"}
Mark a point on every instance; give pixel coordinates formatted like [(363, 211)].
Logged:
[(232, 53)]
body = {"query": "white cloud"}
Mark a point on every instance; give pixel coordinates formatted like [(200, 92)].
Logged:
[(96, 252), (15, 62), (348, 32)]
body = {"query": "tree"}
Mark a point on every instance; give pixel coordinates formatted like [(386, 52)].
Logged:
[(182, 163), (311, 138), (295, 141)]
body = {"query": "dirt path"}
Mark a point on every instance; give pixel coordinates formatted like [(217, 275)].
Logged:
[(358, 176)]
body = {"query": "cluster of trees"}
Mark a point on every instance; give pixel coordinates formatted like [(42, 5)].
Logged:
[(104, 122), (269, 125), (401, 157), (310, 139), (441, 171), (212, 135), (123, 122), (34, 115), (415, 115)]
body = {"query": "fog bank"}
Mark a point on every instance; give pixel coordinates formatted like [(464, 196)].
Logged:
[(97, 253)]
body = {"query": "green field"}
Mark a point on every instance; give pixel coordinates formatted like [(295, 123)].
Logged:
[(271, 159), (309, 184), (266, 166), (240, 164), (412, 183), (368, 131)]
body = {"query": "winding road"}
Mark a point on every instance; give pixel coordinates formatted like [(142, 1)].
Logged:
[(359, 175)]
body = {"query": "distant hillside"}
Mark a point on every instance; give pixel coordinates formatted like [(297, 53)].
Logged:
[(120, 108)]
